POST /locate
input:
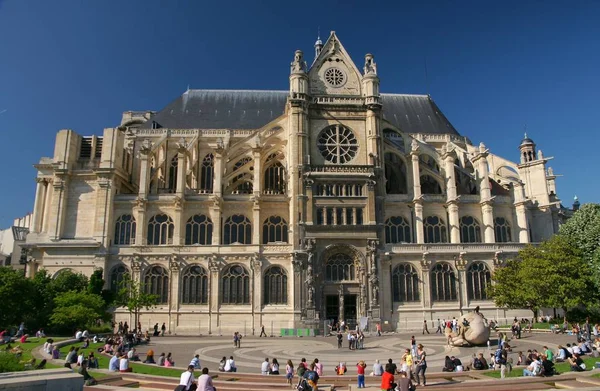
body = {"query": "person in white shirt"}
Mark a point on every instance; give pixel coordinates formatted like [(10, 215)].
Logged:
[(85, 334), (377, 369), (534, 368), (576, 350), (95, 339), (187, 379), (80, 358), (264, 367), (230, 365), (78, 334), (124, 365), (205, 382)]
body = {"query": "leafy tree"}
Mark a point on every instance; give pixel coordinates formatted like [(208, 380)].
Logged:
[(16, 294), (511, 288), (133, 296), (96, 282), (583, 231), (550, 275), (78, 309), (68, 281)]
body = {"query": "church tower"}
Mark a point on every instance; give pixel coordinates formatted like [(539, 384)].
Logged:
[(527, 149)]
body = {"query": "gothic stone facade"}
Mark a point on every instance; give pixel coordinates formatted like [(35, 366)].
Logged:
[(327, 201)]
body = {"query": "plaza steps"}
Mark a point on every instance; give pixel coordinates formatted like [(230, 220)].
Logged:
[(113, 382)]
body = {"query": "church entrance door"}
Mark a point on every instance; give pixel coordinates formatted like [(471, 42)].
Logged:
[(332, 308), (350, 310)]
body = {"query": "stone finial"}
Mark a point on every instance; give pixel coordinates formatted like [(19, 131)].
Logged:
[(414, 145), (540, 154), (181, 144), (146, 147), (298, 65), (482, 147), (370, 65)]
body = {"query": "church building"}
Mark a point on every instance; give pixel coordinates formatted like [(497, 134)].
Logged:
[(330, 201)]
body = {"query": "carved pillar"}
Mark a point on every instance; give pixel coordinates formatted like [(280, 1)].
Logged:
[(178, 221), (136, 268), (218, 172), (181, 168), (256, 223), (103, 221), (371, 213), (310, 283), (59, 206), (258, 174), (461, 265), (214, 292), (454, 222), (139, 211), (144, 170), (419, 234), (39, 205), (257, 295), (487, 212), (522, 222), (308, 205), (426, 280), (173, 291), (416, 174), (215, 216), (341, 302), (298, 265)]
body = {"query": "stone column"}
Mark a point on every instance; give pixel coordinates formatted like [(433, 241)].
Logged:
[(451, 194), (522, 222), (416, 174), (181, 169), (218, 172), (38, 208), (308, 205), (426, 279), (257, 295), (136, 268), (341, 302), (173, 292), (59, 206), (371, 217), (257, 173), (487, 210), (144, 170), (178, 222), (256, 223), (419, 234), (461, 267), (215, 216), (214, 292), (454, 222)]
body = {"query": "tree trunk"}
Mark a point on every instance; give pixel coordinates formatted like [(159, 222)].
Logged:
[(535, 313)]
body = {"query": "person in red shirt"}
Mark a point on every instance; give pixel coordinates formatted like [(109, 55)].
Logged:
[(360, 369), (387, 379)]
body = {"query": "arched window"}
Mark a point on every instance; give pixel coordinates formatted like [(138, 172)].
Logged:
[(470, 230), (429, 185), (243, 182), (117, 276), (156, 282), (274, 182), (275, 229), (435, 230), (478, 278), (125, 230), (395, 174), (207, 172), (160, 230), (198, 230), (173, 173), (502, 228), (237, 229), (340, 267), (443, 283), (397, 230), (275, 286), (235, 285), (195, 285), (405, 283)]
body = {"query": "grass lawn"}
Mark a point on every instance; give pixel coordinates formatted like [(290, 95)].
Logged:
[(562, 367), (31, 344), (103, 361)]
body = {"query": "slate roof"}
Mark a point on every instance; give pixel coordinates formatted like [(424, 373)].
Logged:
[(252, 109)]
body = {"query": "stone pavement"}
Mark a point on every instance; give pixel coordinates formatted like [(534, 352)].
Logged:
[(254, 350)]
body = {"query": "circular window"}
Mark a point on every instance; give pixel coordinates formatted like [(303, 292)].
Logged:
[(335, 77), (337, 144)]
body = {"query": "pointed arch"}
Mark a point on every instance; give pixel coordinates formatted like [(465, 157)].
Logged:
[(194, 281), (395, 174), (156, 282), (275, 286), (443, 282), (470, 230), (430, 185), (274, 176), (405, 283)]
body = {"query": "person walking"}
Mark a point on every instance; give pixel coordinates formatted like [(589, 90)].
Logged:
[(262, 331), (163, 328), (421, 364), (425, 329), (289, 372), (378, 329), (413, 346), (360, 370), (439, 327)]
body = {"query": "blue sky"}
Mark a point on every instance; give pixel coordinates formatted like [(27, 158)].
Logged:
[(493, 68)]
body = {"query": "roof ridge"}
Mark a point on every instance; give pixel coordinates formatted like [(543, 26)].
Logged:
[(226, 90), (394, 94)]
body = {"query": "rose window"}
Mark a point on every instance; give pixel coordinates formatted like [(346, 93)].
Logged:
[(335, 77), (337, 144)]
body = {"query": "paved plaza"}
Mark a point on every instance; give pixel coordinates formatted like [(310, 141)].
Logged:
[(254, 350)]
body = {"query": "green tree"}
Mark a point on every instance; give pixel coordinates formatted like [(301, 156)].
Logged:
[(96, 282), (67, 280), (78, 309), (132, 295), (582, 230), (16, 296)]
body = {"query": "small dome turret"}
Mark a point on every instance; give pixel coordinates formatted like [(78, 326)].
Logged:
[(527, 141)]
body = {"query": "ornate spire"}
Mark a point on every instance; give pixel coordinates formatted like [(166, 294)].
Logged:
[(318, 44)]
